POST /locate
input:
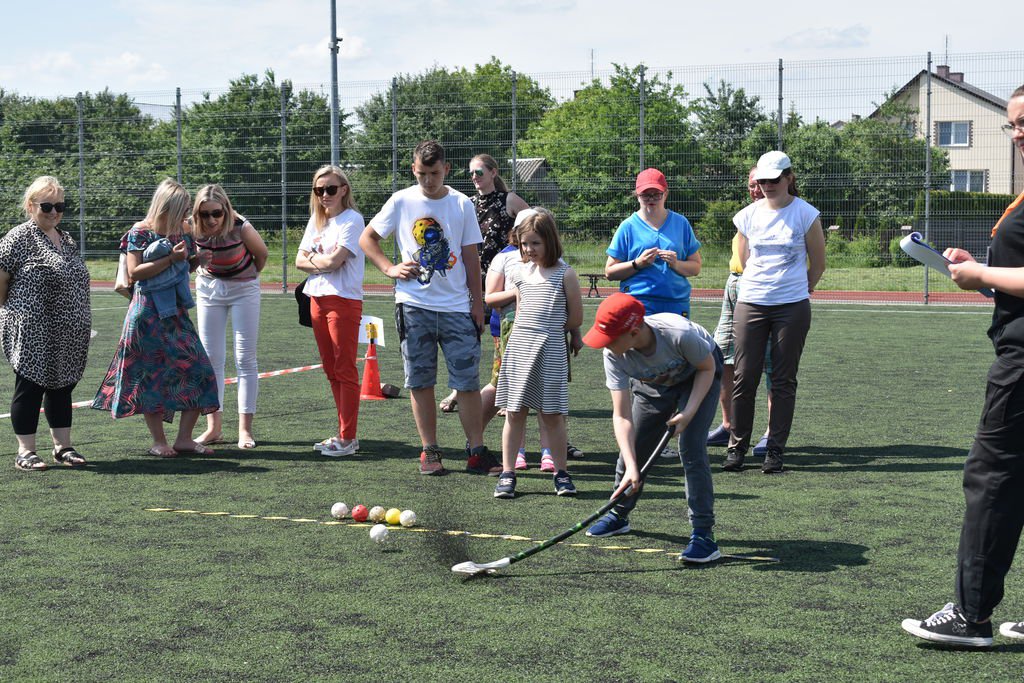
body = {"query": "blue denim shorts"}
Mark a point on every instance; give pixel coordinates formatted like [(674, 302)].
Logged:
[(423, 331)]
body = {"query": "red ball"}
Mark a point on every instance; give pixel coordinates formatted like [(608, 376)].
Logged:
[(360, 513)]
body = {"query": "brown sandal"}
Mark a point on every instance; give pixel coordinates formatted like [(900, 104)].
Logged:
[(29, 462), (68, 456)]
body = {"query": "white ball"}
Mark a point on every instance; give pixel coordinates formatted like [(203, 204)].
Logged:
[(408, 518), (377, 513), (378, 533), (339, 511)]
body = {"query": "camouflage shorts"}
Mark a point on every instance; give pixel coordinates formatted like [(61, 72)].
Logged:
[(423, 331)]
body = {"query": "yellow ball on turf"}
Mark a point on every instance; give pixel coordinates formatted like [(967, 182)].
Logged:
[(393, 516)]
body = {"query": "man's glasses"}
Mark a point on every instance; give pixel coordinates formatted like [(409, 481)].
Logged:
[(331, 190), (769, 181), (1011, 128), (216, 213), (47, 207), (651, 196), (478, 172)]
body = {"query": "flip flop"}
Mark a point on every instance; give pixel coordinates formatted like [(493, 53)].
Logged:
[(219, 439), (247, 443), (200, 449), (449, 406), (159, 453)]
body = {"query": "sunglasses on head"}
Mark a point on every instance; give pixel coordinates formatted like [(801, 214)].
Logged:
[(47, 207), (331, 190), (478, 172), (216, 213)]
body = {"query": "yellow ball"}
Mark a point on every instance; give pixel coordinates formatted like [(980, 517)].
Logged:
[(393, 516)]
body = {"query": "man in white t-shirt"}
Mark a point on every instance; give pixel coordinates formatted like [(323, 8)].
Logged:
[(438, 299)]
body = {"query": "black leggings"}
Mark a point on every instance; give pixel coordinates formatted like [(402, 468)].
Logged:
[(29, 396)]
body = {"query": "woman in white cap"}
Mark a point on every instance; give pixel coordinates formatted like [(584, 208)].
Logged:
[(782, 250)]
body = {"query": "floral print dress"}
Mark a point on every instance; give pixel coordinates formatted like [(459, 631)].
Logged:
[(160, 365)]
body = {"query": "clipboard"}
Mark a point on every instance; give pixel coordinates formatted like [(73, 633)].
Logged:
[(919, 250)]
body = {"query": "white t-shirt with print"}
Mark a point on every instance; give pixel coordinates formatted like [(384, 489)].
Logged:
[(776, 269), (431, 232), (343, 229)]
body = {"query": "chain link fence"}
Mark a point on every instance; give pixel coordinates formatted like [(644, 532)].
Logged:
[(880, 147)]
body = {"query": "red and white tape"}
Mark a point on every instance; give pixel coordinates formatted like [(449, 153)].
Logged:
[(229, 380)]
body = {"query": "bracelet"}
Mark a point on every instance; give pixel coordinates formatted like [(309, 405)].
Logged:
[(319, 272), (635, 267)]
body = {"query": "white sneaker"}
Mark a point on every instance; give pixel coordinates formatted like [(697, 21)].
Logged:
[(1012, 629), (326, 443), (337, 448)]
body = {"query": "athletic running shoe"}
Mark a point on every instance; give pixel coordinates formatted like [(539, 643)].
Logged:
[(609, 525), (338, 448), (670, 452), (950, 627), (1012, 629), (772, 461), (326, 443), (563, 484), (506, 487), (719, 436), (734, 459), (573, 453), (702, 548), (521, 460), (761, 447), (430, 460), (482, 461), (547, 463)]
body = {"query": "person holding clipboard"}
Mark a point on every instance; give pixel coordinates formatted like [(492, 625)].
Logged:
[(994, 469)]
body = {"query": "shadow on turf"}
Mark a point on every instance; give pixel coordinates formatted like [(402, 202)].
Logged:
[(876, 458), (794, 555), (179, 465)]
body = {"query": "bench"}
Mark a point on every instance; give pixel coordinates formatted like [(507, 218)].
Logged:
[(593, 278)]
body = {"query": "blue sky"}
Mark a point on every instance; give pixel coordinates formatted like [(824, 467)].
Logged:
[(62, 47)]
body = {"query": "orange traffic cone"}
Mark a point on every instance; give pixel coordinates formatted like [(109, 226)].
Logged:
[(371, 376)]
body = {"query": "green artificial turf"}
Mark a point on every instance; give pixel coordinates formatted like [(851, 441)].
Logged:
[(865, 523)]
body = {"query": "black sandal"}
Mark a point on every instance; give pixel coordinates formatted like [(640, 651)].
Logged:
[(68, 456), (29, 462)]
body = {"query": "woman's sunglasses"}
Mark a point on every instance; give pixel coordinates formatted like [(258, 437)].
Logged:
[(478, 172), (47, 207), (769, 181), (216, 213), (331, 190)]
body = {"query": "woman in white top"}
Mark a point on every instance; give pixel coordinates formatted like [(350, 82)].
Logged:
[(782, 249), (330, 253), (231, 256)]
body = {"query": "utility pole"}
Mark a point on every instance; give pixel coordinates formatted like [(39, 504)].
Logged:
[(334, 82)]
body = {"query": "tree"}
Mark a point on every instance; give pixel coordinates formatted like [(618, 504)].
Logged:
[(234, 139), (592, 144), (726, 117), (469, 112), (121, 160)]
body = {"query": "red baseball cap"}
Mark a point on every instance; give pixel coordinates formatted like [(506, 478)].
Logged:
[(618, 314), (651, 179)]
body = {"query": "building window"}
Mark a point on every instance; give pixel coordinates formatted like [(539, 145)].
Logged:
[(967, 181), (954, 133)]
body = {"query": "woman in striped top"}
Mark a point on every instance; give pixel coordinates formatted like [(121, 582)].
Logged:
[(231, 256)]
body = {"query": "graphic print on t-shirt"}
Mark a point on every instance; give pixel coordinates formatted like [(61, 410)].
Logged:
[(434, 254)]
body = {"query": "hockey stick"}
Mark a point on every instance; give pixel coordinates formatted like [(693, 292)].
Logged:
[(474, 569)]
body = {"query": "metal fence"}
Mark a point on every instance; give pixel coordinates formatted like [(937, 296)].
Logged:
[(878, 145)]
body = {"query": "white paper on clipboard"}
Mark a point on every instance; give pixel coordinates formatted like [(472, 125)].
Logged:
[(379, 323), (919, 250)]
